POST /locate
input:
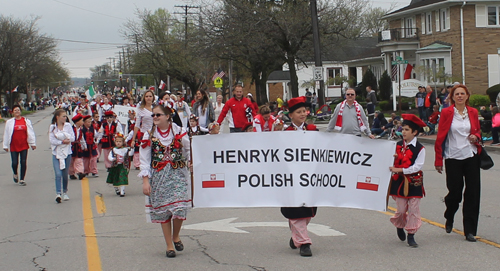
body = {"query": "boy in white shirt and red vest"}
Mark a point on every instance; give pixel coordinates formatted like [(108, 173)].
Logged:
[(407, 187)]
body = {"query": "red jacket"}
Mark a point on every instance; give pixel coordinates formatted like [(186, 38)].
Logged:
[(444, 127), (238, 111), (260, 122)]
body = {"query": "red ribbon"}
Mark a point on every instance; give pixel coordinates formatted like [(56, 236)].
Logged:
[(145, 143)]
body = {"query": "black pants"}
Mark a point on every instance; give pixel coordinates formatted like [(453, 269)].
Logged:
[(14, 155), (456, 172)]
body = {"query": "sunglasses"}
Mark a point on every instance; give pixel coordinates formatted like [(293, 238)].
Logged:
[(157, 115), (350, 94)]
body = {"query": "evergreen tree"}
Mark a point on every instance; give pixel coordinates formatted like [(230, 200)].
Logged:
[(369, 79), (385, 86)]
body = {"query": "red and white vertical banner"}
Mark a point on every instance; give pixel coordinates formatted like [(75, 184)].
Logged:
[(291, 169)]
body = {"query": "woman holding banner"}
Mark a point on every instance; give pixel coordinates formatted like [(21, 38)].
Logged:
[(299, 217), (166, 180)]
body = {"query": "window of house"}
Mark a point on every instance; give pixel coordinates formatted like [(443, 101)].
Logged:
[(442, 19), (332, 73), (434, 69), (493, 16), (409, 27), (428, 22)]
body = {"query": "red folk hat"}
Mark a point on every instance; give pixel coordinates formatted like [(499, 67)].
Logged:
[(246, 126), (413, 121), (109, 113), (86, 117), (296, 103), (77, 118)]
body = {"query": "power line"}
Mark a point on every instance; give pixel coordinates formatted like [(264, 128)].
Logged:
[(89, 10)]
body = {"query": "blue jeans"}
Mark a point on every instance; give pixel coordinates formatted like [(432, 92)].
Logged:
[(15, 162), (377, 131), (61, 174)]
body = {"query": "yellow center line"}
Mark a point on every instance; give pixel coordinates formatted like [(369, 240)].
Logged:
[(437, 224), (93, 257), (99, 204)]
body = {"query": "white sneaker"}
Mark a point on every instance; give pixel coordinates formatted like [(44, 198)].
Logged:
[(65, 197), (58, 198)]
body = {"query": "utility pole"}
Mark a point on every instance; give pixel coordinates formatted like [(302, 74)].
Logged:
[(186, 13), (317, 52)]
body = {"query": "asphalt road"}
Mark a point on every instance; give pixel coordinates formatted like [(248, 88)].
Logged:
[(38, 234)]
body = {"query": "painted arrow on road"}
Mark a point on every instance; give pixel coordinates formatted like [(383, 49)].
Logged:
[(225, 225)]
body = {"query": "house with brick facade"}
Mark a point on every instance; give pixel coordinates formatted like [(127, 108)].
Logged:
[(461, 38)]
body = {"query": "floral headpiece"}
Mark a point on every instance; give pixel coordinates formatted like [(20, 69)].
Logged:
[(193, 117)]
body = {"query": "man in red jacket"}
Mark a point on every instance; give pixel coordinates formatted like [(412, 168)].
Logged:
[(241, 110)]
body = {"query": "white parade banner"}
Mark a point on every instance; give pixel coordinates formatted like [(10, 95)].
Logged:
[(122, 113), (291, 169)]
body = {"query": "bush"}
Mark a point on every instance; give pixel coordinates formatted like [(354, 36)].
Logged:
[(477, 100), (493, 92), (385, 105), (385, 86)]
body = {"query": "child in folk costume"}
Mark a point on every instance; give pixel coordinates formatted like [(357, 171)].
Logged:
[(278, 125), (108, 130), (96, 123), (183, 110), (91, 136), (194, 128), (165, 160), (299, 217), (136, 143), (83, 108), (118, 172), (77, 147), (407, 186)]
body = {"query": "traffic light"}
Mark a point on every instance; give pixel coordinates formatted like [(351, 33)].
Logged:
[(106, 82)]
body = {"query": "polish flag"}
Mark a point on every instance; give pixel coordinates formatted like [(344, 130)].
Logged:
[(367, 183), (162, 85), (15, 89), (408, 70), (210, 180)]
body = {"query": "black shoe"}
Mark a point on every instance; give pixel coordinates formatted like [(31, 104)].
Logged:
[(179, 246), (117, 191), (16, 179), (305, 250), (81, 176), (470, 237), (72, 177), (292, 245), (170, 254), (411, 240), (448, 226), (401, 234)]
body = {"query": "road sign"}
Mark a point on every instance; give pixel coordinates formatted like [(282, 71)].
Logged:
[(318, 73), (218, 82), (399, 62)]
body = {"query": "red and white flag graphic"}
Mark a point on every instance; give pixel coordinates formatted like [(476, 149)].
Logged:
[(213, 180), (162, 85), (367, 183)]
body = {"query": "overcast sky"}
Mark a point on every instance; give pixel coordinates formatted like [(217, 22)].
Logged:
[(97, 21)]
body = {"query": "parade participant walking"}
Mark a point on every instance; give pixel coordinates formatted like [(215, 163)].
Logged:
[(78, 147), (299, 217), (18, 137), (194, 128), (96, 123), (429, 102), (108, 130), (240, 108), (407, 187), (183, 110), (106, 105), (349, 117), (118, 172), (255, 106), (457, 141), (165, 160), (218, 105), (90, 155), (61, 136), (203, 109), (83, 108), (264, 121), (143, 118)]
